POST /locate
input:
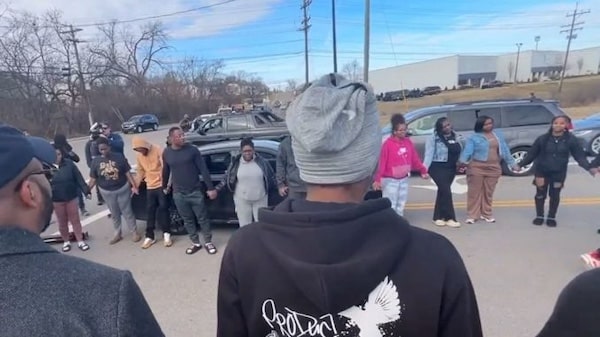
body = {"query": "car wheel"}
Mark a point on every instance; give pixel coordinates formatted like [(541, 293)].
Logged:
[(155, 127), (519, 154), (595, 145), (139, 129)]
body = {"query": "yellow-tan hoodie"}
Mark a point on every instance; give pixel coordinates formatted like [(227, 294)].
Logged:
[(149, 167)]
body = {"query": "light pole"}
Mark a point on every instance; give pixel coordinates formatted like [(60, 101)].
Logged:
[(367, 40), (517, 66), (537, 40), (334, 36)]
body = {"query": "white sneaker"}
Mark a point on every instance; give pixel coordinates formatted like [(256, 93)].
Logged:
[(167, 239), (148, 243), (470, 221), (452, 223), (488, 220), (439, 223)]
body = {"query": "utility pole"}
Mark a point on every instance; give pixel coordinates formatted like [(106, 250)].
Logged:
[(367, 40), (571, 28), (519, 45), (334, 36), (84, 94), (305, 27)]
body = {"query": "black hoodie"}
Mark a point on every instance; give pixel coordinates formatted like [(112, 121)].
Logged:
[(325, 269)]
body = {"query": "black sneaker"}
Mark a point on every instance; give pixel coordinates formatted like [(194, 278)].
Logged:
[(550, 222), (538, 221)]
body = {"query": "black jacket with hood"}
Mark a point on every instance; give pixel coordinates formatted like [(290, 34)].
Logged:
[(67, 183), (287, 171), (325, 269)]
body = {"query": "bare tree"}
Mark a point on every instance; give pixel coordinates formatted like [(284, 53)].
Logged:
[(292, 85), (353, 71)]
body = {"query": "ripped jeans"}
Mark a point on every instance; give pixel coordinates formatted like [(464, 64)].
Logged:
[(397, 191), (548, 184)]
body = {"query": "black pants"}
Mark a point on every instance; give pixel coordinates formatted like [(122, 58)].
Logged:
[(157, 207), (443, 175), (553, 184)]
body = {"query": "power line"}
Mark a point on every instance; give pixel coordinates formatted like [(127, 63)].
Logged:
[(573, 27)]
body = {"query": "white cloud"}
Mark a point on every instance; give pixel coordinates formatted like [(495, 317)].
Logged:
[(194, 24)]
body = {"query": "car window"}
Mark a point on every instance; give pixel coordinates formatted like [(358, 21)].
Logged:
[(522, 115), (424, 125), (217, 162), (270, 117), (464, 119), (237, 123), (259, 121), (213, 125)]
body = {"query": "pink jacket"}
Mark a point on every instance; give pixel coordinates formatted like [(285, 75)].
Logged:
[(398, 157)]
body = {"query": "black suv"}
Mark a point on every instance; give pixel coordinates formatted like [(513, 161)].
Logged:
[(140, 123), (521, 122)]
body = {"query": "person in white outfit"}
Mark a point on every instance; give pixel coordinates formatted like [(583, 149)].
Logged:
[(250, 178)]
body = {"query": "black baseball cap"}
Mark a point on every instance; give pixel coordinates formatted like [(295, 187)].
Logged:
[(17, 151)]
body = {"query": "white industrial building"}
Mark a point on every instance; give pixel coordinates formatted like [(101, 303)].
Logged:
[(453, 71)]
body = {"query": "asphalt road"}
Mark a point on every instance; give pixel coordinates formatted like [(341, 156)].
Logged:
[(517, 269)]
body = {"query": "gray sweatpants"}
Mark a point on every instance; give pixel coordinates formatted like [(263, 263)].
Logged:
[(119, 204), (246, 209)]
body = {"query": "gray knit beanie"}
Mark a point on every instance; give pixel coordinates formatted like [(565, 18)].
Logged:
[(335, 131)]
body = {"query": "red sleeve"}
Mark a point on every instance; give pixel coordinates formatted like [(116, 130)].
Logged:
[(383, 159), (416, 163)]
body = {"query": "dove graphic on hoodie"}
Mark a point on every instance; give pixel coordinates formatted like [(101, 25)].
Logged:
[(382, 306)]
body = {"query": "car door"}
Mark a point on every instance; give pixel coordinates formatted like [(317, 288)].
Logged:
[(422, 128), (217, 161), (526, 122)]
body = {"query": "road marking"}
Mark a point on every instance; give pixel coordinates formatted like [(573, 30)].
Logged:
[(510, 203)]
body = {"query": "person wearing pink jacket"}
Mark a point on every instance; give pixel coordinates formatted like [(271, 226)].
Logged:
[(397, 159)]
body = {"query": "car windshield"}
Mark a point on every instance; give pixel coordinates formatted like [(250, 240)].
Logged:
[(134, 118)]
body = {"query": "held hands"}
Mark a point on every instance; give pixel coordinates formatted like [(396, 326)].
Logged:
[(88, 196), (167, 190), (516, 168), (425, 176), (134, 190), (594, 170), (377, 186), (283, 191), (212, 194)]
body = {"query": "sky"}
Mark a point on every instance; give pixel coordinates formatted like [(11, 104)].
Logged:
[(262, 37)]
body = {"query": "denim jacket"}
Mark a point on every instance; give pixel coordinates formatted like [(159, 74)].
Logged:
[(436, 150), (477, 148)]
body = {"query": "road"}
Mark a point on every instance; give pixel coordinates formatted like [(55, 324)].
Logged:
[(517, 269)]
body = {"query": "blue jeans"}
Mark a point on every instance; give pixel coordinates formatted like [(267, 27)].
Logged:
[(397, 191), (192, 208)]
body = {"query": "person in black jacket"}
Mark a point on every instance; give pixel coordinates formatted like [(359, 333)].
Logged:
[(91, 152), (288, 176), (61, 143), (67, 184), (551, 152), (333, 264), (250, 178)]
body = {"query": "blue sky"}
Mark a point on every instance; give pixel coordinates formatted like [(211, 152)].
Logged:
[(261, 37)]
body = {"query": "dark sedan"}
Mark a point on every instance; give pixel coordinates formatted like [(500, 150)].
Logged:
[(588, 132), (217, 157)]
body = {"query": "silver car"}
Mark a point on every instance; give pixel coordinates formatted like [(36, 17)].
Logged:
[(521, 122)]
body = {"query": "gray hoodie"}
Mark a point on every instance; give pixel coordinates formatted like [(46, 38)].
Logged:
[(287, 171)]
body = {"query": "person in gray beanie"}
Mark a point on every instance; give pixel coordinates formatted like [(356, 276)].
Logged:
[(349, 266)]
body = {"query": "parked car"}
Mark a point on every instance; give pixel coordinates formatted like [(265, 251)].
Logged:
[(433, 90), (140, 123), (492, 84), (588, 132), (257, 124), (521, 122), (217, 157)]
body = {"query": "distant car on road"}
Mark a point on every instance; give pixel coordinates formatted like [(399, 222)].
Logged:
[(432, 90), (521, 122), (492, 84), (140, 123), (588, 132)]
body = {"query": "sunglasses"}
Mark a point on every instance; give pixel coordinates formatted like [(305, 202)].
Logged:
[(48, 172)]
